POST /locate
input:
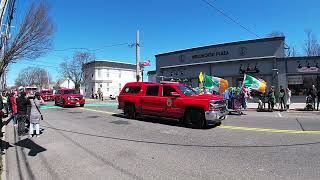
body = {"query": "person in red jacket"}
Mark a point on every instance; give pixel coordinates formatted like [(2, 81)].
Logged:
[(13, 103)]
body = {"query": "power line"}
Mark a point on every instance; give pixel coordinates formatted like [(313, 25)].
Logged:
[(230, 18), (91, 50)]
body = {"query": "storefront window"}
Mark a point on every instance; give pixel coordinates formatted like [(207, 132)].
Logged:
[(301, 84)]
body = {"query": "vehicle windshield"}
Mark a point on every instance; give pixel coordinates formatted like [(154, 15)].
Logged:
[(70, 91), (187, 90)]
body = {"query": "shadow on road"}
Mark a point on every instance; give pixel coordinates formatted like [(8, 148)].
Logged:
[(164, 121), (29, 144)]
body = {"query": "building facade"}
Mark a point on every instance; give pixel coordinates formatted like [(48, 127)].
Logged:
[(109, 77), (152, 76), (262, 58)]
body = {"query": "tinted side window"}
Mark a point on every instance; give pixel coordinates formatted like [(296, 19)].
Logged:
[(167, 90), (152, 91), (132, 89)]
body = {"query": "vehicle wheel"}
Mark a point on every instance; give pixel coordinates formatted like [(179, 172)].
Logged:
[(55, 102), (130, 111), (196, 118), (218, 124), (81, 105)]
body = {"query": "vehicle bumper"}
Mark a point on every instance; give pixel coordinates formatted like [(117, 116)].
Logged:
[(215, 116), (71, 102), (48, 98)]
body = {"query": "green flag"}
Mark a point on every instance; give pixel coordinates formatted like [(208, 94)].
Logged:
[(254, 83)]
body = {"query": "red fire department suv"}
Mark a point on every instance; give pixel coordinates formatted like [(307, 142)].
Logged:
[(47, 95), (172, 100), (68, 97)]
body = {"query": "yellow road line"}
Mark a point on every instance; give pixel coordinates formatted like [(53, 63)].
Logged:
[(269, 130), (287, 131), (105, 112)]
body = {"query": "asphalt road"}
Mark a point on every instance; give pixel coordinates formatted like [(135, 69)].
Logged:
[(98, 143)]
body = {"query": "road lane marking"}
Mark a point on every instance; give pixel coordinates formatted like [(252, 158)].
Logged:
[(94, 110), (287, 131), (279, 114)]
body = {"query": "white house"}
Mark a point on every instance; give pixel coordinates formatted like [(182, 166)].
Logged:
[(107, 76), (66, 83)]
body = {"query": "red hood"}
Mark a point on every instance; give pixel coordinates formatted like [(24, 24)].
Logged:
[(208, 96)]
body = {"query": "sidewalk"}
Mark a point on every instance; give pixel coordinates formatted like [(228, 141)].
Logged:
[(293, 106)]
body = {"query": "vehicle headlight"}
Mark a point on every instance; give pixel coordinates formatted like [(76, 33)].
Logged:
[(68, 98), (215, 105)]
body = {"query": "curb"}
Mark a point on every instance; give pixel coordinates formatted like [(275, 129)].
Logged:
[(291, 110), (4, 163)]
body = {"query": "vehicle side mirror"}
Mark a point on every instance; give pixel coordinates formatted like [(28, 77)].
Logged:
[(174, 94)]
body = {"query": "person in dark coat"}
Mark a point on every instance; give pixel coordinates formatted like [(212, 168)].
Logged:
[(23, 106), (282, 95)]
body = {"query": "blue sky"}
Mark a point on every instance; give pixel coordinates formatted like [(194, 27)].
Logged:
[(165, 25)]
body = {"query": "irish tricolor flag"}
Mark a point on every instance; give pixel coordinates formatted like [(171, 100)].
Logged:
[(215, 83), (254, 83)]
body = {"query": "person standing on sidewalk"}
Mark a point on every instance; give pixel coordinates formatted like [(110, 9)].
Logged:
[(281, 97), (35, 115), (288, 99), (271, 99), (23, 106), (13, 103), (313, 93)]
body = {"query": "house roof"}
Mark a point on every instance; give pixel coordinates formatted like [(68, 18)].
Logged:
[(108, 63)]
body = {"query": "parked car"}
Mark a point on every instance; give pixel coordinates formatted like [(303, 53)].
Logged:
[(47, 95), (172, 100), (68, 97)]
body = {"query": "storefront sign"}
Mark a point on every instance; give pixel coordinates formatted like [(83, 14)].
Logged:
[(308, 69), (295, 80), (211, 54)]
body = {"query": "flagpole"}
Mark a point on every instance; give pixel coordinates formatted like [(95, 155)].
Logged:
[(244, 77)]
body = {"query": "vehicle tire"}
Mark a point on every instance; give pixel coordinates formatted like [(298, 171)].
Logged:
[(81, 105), (55, 102), (196, 118), (130, 111), (218, 124)]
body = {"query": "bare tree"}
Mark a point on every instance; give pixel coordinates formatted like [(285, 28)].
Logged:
[(33, 39), (311, 45), (72, 69), (291, 51), (275, 34), (33, 76)]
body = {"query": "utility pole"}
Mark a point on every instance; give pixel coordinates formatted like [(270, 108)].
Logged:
[(3, 6), (138, 56), (5, 37)]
